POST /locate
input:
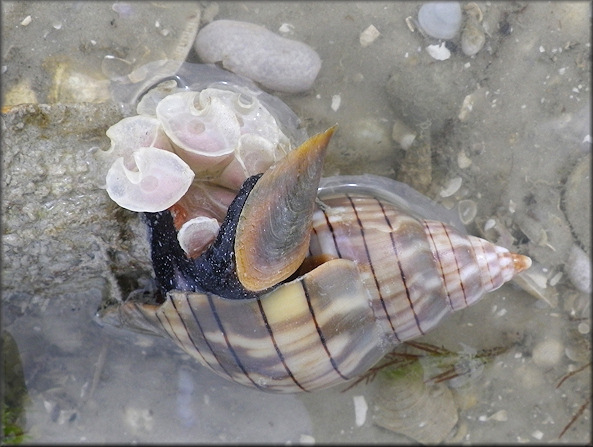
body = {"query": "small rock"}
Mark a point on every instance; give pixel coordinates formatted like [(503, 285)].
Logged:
[(441, 20), (578, 268), (253, 51)]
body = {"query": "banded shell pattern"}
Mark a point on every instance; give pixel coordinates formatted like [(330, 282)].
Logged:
[(342, 276)]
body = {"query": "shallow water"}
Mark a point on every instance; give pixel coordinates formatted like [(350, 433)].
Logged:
[(512, 122)]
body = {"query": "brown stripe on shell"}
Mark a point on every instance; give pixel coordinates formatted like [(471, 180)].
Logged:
[(191, 313), (320, 332), (239, 351), (402, 307), (253, 357), (230, 346), (496, 263), (483, 255), (382, 279), (182, 333), (457, 264), (278, 350)]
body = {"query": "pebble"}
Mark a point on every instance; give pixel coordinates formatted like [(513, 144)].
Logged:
[(537, 434), (336, 101), (578, 269), (500, 416), (253, 51), (441, 20)]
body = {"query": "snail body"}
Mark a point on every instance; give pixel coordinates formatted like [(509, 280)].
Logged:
[(305, 289)]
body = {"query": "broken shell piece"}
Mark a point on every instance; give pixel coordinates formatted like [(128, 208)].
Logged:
[(474, 12), (150, 180), (360, 410), (368, 36), (548, 352), (404, 403), (467, 211), (472, 38), (439, 52), (463, 161), (535, 282), (466, 107), (452, 187), (197, 234)]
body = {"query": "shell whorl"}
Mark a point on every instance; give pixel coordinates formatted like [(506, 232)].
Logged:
[(416, 271)]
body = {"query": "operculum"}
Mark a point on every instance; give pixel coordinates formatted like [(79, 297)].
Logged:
[(274, 227)]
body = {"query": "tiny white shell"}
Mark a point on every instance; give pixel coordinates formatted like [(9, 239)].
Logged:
[(439, 52), (197, 233)]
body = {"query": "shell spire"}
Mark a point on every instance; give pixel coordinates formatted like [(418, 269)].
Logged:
[(470, 266), (520, 262)]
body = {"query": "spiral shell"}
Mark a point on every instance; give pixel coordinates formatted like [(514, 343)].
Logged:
[(302, 289)]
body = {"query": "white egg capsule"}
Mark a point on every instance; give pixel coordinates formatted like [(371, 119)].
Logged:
[(150, 180), (219, 124)]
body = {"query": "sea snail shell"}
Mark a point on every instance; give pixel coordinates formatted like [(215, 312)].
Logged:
[(300, 293)]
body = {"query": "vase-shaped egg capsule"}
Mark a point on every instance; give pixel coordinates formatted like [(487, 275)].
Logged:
[(301, 292), (203, 129)]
